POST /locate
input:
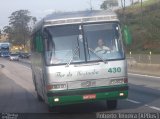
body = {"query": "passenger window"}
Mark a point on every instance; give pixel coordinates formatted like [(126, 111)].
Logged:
[(38, 43)]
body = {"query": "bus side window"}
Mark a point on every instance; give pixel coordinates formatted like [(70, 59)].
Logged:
[(49, 44), (49, 47), (37, 43), (32, 44)]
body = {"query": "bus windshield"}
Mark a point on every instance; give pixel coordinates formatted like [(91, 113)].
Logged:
[(103, 41), (67, 44), (63, 45)]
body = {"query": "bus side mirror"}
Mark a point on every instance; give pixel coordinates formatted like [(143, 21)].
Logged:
[(126, 35)]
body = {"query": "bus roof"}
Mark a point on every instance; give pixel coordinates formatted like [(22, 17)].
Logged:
[(89, 13), (4, 43), (89, 16)]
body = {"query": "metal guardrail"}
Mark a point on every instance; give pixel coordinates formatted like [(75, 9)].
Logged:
[(144, 58)]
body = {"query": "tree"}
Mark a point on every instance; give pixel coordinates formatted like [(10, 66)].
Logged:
[(109, 4), (19, 27), (19, 22), (0, 33), (33, 22), (34, 19), (122, 3), (7, 31), (141, 13), (132, 2)]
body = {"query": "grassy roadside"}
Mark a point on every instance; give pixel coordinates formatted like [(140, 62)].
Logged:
[(145, 69), (144, 25)]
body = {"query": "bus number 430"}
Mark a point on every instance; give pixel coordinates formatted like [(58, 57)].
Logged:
[(114, 70)]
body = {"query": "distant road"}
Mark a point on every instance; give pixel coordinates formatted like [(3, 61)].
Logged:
[(17, 95)]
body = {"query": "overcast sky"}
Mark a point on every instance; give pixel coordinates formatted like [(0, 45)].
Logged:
[(40, 8)]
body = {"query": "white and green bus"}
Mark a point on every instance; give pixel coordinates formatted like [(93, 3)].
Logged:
[(78, 57)]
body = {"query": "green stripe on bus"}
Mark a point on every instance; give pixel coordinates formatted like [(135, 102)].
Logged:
[(65, 100)]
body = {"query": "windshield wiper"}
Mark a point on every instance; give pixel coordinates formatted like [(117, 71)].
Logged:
[(90, 49), (71, 58)]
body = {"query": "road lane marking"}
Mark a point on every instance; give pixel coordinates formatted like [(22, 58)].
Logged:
[(144, 75), (27, 67), (153, 107), (133, 101)]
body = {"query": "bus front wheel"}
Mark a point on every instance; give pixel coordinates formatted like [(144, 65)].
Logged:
[(50, 109), (39, 97), (54, 109), (111, 104)]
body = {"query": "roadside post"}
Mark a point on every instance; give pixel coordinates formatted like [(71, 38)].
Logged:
[(150, 58), (139, 58), (130, 61), (130, 53)]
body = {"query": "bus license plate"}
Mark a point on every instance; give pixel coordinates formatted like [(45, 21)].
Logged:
[(89, 96), (87, 84)]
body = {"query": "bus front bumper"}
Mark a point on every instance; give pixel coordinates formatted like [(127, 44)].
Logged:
[(66, 97)]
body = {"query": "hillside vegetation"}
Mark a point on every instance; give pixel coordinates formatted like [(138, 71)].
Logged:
[(144, 25)]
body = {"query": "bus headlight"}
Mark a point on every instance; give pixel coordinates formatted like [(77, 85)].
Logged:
[(118, 81), (56, 99), (61, 86)]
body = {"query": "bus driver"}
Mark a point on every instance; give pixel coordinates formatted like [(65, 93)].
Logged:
[(101, 48)]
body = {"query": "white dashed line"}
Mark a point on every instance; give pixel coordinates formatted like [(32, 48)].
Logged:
[(133, 101), (153, 107), (136, 102), (27, 67), (144, 75)]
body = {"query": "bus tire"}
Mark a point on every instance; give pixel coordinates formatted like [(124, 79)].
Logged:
[(112, 104), (39, 97), (50, 109), (54, 109)]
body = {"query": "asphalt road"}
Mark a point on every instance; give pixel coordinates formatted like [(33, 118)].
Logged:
[(17, 95)]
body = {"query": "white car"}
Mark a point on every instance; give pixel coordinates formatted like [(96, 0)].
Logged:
[(14, 56)]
